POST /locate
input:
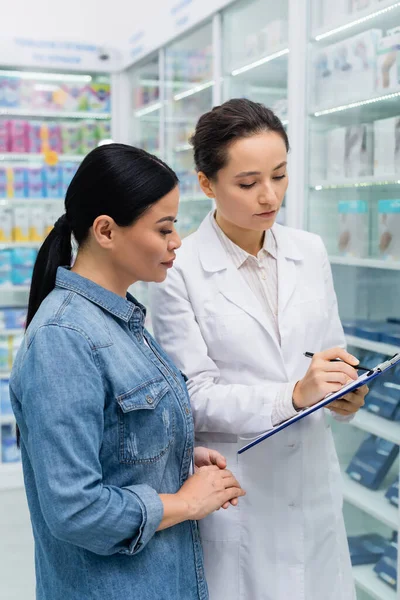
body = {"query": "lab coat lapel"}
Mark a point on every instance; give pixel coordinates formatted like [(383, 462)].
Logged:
[(229, 280)]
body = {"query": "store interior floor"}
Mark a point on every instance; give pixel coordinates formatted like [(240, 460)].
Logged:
[(17, 575)]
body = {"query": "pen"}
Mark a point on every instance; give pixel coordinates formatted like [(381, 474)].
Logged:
[(357, 367)]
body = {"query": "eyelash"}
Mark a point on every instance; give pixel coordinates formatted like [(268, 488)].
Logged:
[(245, 186), (168, 231)]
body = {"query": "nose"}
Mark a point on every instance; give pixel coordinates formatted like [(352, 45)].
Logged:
[(175, 242), (267, 194)]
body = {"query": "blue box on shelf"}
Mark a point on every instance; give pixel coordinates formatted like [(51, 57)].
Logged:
[(13, 318), (369, 330), (392, 493), (383, 398), (367, 549), (386, 568), (5, 402), (10, 453), (372, 461)]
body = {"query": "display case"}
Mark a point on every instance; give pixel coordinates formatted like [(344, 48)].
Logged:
[(48, 122), (353, 202), (146, 106)]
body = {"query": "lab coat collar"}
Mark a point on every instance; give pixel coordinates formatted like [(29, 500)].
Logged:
[(213, 256)]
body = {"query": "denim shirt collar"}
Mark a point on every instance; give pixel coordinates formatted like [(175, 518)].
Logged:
[(123, 308)]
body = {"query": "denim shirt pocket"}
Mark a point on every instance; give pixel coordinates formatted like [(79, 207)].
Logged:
[(146, 422)]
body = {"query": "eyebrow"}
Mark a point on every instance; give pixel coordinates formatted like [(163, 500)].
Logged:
[(172, 219), (248, 173)]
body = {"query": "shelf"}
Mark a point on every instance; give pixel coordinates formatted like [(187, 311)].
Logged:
[(32, 201), (53, 114), (11, 476), (366, 579), (378, 347), (19, 331), (15, 288), (147, 109), (372, 502), (369, 108), (261, 61), (7, 419), (382, 18), (31, 157), (5, 374), (372, 263), (10, 245), (193, 90), (389, 430), (183, 148), (364, 182)]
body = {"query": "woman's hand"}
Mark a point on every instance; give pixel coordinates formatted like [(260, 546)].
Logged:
[(351, 403), (324, 377), (204, 457), (209, 489)]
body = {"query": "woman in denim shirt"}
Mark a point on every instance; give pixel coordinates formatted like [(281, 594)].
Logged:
[(105, 424)]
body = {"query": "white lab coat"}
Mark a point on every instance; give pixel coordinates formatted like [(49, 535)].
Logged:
[(286, 539)]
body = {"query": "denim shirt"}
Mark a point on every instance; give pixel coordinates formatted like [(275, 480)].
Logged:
[(106, 427)]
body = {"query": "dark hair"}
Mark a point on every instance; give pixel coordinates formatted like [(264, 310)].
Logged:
[(116, 180), (218, 128)]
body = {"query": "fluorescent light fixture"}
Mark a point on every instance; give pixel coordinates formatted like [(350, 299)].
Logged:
[(194, 90), (356, 22), (148, 109), (46, 76), (259, 62), (336, 109)]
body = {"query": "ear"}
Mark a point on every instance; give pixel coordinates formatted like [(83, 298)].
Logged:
[(104, 230), (206, 184)]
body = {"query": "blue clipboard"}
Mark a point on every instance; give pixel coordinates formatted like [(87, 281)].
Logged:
[(365, 378)]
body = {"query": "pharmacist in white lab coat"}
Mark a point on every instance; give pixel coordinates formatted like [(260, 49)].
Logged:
[(246, 299)]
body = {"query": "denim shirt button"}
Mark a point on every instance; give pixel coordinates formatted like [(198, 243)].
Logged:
[(149, 399), (187, 410)]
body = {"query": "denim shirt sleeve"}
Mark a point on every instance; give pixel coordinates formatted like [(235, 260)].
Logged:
[(63, 409)]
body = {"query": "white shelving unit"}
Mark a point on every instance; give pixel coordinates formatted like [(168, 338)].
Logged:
[(53, 114), (389, 430), (371, 263), (372, 502), (367, 580), (372, 346)]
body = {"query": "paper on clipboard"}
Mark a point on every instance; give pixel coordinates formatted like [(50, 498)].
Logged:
[(363, 379)]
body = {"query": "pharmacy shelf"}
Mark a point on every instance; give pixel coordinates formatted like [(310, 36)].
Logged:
[(351, 183), (53, 114), (15, 288), (279, 53), (10, 245), (372, 263), (4, 331), (11, 476), (7, 419), (367, 580), (371, 502), (368, 109), (389, 430), (5, 374), (147, 109), (381, 18), (32, 202), (32, 157), (194, 89), (378, 347)]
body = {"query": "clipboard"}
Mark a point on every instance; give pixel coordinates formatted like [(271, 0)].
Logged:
[(363, 379)]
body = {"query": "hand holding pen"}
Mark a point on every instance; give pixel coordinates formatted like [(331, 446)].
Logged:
[(329, 371)]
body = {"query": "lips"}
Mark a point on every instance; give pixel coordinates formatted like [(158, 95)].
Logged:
[(266, 214)]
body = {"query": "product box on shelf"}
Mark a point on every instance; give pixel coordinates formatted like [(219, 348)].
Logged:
[(346, 71), (386, 568), (389, 229), (353, 228), (5, 268), (335, 153), (21, 224), (6, 224), (392, 493), (71, 97), (387, 147), (372, 461), (37, 225), (384, 398), (71, 137), (4, 135), (17, 182), (52, 182), (388, 62), (12, 318), (18, 136), (359, 151), (34, 137), (4, 185), (366, 549), (22, 260), (272, 37), (89, 133), (5, 403), (10, 452), (99, 97)]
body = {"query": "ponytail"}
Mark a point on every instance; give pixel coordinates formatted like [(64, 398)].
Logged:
[(56, 251)]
